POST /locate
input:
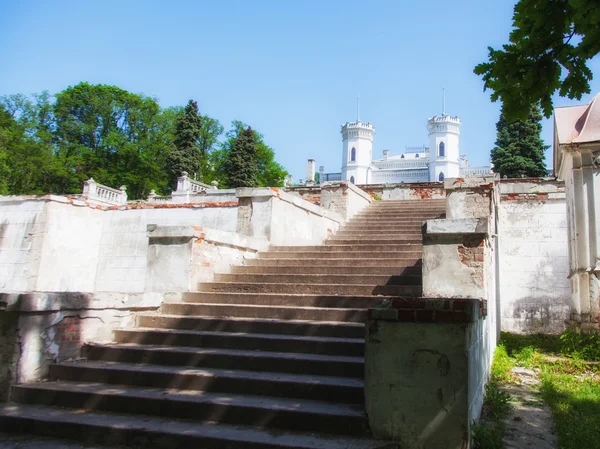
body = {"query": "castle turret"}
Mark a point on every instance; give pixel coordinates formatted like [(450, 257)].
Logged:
[(357, 151), (444, 133)]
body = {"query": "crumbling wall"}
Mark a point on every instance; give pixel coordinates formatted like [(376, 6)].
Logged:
[(61, 244), (409, 191), (533, 256), (38, 329), (423, 371)]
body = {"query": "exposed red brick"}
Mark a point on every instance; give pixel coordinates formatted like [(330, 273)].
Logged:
[(425, 316), (406, 315)]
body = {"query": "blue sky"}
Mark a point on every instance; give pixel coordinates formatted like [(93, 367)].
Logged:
[(290, 69)]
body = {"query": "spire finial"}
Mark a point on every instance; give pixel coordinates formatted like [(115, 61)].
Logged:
[(358, 107), (444, 100)]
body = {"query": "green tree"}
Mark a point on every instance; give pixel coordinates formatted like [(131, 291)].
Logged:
[(270, 173), (240, 166), (550, 44), (27, 165), (185, 154), (519, 150), (110, 134)]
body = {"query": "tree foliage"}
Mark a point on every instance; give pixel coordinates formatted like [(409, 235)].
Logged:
[(52, 143), (241, 166), (109, 134), (519, 150), (185, 154), (550, 44), (269, 172)]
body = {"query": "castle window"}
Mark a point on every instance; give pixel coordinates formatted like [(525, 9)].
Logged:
[(417, 155), (442, 149), (402, 157), (441, 177), (352, 177), (353, 155)]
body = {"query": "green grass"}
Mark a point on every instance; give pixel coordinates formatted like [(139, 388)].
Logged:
[(570, 380)]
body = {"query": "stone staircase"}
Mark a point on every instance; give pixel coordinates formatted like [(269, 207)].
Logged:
[(269, 356)]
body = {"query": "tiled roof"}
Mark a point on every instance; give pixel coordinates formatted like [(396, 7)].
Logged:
[(578, 124)]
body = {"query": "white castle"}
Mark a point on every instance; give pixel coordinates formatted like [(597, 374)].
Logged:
[(441, 159)]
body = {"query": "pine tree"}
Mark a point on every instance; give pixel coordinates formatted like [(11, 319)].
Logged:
[(519, 150), (185, 153), (241, 167)]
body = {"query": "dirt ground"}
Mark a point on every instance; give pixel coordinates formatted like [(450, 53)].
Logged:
[(529, 424)]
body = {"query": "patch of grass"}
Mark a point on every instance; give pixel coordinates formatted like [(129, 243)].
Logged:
[(542, 343), (489, 431), (502, 365), (586, 347), (570, 376), (575, 404)]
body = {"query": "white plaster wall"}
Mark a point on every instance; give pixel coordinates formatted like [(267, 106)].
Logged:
[(70, 251), (534, 289), (295, 221), (357, 200), (480, 346), (124, 244), (47, 244), (22, 224), (413, 193)]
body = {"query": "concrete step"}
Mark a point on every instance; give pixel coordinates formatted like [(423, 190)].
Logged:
[(148, 432), (275, 299), (400, 224), (393, 219), (322, 269), (356, 255), (352, 247), (359, 235), (414, 203), (324, 289), (398, 214), (266, 312), (379, 228), (352, 347), (282, 362), (373, 240), (367, 279), (399, 260), (236, 324), (324, 388), (275, 413)]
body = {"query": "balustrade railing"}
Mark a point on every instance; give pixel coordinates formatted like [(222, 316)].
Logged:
[(101, 194)]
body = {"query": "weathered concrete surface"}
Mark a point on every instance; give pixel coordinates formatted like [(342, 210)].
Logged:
[(412, 191), (426, 365), (39, 328), (54, 243), (470, 197), (179, 257), (453, 266), (344, 198), (457, 226), (416, 383), (283, 218), (533, 256)]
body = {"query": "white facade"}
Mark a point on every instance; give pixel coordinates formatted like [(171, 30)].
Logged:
[(357, 152), (433, 163), (577, 161)]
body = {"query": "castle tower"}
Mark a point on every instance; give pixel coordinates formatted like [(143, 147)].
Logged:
[(357, 149), (444, 133)]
